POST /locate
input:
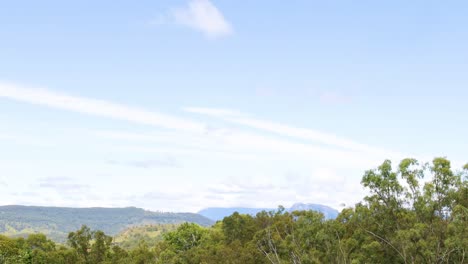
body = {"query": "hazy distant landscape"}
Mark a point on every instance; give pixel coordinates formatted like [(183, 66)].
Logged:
[(233, 132), (402, 220), (57, 222)]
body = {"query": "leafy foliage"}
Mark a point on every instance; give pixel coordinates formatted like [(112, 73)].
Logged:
[(131, 237), (415, 213)]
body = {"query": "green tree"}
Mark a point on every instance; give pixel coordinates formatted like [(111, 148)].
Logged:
[(100, 249), (80, 240)]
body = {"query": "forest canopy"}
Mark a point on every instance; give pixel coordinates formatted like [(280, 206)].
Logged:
[(414, 213)]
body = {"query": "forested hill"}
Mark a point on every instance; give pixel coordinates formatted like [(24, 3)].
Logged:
[(56, 222), (218, 213), (414, 213)]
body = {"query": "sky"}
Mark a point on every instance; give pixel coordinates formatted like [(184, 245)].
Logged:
[(185, 104)]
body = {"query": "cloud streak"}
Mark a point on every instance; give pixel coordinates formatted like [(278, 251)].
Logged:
[(200, 134), (161, 162), (248, 146), (23, 140), (334, 98), (96, 107), (290, 131), (219, 112), (203, 16), (63, 185)]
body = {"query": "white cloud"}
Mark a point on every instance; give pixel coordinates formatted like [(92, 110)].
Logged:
[(63, 185), (6, 137), (333, 97), (228, 140), (96, 107), (129, 136), (220, 112), (236, 143), (23, 140), (164, 161), (212, 151), (258, 192), (203, 16), (295, 132)]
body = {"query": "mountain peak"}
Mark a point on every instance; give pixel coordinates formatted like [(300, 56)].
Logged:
[(218, 213)]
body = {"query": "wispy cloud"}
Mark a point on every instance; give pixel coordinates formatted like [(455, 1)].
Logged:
[(241, 143), (333, 97), (95, 107), (219, 139), (160, 200), (159, 162), (24, 140), (63, 185), (220, 112), (240, 188), (294, 132), (314, 186), (203, 16), (198, 141)]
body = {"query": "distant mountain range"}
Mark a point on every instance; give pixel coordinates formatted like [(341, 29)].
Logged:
[(57, 222), (218, 213)]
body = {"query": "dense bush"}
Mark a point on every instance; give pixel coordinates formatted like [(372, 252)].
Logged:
[(416, 213)]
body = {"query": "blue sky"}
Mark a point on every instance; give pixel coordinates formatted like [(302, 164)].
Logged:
[(180, 105)]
